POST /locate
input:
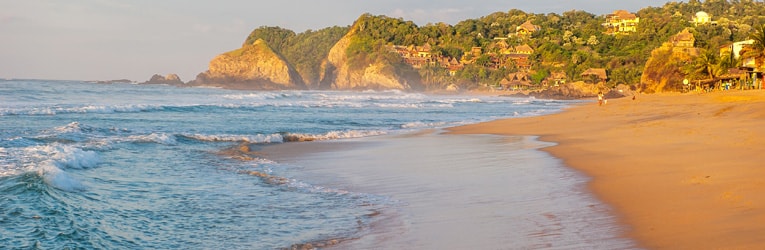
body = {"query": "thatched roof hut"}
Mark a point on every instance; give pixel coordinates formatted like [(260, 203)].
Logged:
[(599, 73), (516, 81)]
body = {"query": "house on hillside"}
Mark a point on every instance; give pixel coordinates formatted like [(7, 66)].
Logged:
[(520, 56), (702, 18), (424, 50), (621, 21), (682, 44), (595, 75), (684, 39), (526, 29), (416, 56), (469, 57), (523, 49)]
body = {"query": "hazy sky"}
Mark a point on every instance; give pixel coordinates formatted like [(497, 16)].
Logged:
[(111, 39)]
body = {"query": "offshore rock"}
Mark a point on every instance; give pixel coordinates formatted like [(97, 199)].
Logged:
[(254, 66), (170, 79)]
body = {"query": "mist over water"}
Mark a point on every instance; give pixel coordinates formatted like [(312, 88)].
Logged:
[(124, 166)]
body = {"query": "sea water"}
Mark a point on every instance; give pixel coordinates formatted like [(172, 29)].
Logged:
[(125, 166)]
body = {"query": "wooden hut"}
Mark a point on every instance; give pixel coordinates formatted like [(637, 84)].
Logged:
[(596, 74)]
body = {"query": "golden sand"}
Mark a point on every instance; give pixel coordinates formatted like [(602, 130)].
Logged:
[(683, 171)]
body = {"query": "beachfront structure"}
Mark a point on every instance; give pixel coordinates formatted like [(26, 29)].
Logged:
[(556, 78), (734, 49), (516, 81), (754, 67), (621, 21), (596, 74)]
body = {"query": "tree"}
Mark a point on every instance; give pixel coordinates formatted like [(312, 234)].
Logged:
[(706, 64), (757, 49)]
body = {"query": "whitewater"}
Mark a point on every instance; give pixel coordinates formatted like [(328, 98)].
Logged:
[(125, 166)]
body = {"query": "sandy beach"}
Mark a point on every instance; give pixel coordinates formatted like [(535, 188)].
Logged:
[(682, 171)]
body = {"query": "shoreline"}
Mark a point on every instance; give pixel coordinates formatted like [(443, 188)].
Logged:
[(458, 191), (680, 170)]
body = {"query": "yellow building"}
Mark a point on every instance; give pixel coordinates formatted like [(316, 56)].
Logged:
[(526, 29), (621, 21)]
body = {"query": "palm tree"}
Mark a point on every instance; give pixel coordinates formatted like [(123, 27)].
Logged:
[(707, 63), (757, 49)]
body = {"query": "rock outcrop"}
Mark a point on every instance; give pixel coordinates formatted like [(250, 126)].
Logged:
[(579, 90), (663, 70), (338, 73), (170, 79), (254, 66)]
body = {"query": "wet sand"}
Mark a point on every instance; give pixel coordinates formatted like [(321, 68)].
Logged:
[(459, 192), (683, 171)]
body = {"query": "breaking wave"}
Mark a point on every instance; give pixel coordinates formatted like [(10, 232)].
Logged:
[(49, 162)]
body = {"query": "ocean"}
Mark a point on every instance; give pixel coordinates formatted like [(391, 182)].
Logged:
[(125, 166)]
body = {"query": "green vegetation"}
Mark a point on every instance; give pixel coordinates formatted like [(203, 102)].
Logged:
[(570, 42), (305, 51)]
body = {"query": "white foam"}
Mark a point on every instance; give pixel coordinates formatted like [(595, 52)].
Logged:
[(334, 135), (49, 162), (160, 138), (69, 128), (98, 109), (58, 178), (419, 124), (259, 138), (62, 156), (263, 96)]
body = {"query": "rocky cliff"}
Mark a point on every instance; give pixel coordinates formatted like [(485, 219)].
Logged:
[(339, 73), (254, 66)]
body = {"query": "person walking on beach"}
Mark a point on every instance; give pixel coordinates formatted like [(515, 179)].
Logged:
[(600, 98)]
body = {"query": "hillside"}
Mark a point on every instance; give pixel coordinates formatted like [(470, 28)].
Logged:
[(538, 50)]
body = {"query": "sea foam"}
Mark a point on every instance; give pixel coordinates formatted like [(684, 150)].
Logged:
[(161, 138), (62, 156), (259, 138), (49, 162)]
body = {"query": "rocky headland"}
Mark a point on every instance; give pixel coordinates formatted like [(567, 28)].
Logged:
[(254, 67)]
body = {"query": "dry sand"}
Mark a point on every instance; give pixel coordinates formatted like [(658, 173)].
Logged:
[(683, 171)]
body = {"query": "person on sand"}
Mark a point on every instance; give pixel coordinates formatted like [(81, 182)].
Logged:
[(600, 98)]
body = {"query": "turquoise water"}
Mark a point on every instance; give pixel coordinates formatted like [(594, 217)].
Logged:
[(124, 166)]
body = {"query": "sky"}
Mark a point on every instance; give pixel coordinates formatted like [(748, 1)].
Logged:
[(112, 39)]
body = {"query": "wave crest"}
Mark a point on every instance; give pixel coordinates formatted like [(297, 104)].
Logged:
[(62, 156)]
